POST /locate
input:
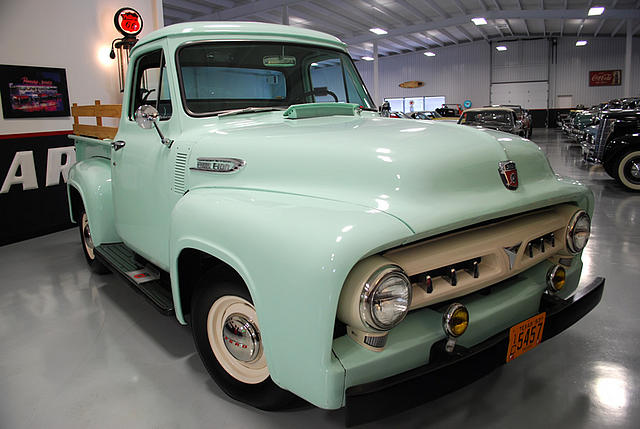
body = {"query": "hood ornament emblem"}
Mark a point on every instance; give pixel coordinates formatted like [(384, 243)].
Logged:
[(508, 174), (512, 252)]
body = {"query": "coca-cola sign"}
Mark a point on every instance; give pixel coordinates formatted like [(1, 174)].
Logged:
[(605, 77)]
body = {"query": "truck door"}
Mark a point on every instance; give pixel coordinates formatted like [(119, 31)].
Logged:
[(140, 169)]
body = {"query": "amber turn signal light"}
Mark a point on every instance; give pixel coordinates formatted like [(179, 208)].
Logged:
[(556, 278)]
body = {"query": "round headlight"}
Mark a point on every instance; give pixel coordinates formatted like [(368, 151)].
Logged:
[(578, 231), (455, 320), (385, 298)]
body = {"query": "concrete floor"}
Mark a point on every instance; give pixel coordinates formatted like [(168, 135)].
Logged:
[(80, 351)]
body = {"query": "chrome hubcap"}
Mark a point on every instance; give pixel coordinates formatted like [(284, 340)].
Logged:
[(241, 338), (635, 169), (86, 235)]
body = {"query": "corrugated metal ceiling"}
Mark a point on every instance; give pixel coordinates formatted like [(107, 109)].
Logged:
[(415, 25)]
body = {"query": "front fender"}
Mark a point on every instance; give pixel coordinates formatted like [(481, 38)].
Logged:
[(294, 253), (92, 179)]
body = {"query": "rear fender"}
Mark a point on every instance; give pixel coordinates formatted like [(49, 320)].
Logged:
[(293, 253), (91, 178)]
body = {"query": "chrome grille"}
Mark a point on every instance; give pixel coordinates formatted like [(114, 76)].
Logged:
[(179, 185), (604, 131)]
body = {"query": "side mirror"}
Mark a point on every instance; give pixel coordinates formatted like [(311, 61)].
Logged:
[(147, 117)]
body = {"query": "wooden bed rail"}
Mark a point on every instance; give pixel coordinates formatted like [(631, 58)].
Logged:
[(98, 111)]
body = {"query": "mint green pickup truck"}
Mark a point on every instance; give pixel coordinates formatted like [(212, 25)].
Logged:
[(316, 249)]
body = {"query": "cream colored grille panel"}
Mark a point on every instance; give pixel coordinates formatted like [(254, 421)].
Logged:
[(488, 243)]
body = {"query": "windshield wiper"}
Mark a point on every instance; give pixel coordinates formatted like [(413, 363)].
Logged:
[(248, 110)]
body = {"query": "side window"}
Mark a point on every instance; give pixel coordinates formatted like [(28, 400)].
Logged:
[(329, 74), (151, 85)]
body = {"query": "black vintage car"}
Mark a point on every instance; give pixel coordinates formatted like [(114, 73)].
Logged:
[(497, 118), (616, 145)]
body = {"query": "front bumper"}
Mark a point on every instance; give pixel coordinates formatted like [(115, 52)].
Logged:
[(447, 372)]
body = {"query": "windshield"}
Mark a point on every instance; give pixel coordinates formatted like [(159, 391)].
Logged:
[(217, 77), (486, 116)]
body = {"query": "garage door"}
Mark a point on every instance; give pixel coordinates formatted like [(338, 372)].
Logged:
[(530, 95)]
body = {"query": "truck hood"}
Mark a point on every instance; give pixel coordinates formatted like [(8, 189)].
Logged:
[(433, 176)]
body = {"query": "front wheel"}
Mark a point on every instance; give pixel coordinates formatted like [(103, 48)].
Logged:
[(628, 171), (228, 339)]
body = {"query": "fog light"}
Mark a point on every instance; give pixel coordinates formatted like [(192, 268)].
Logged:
[(556, 278), (454, 322)]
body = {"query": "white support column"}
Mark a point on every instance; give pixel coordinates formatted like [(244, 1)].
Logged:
[(376, 75), (158, 14), (627, 60), (285, 15)]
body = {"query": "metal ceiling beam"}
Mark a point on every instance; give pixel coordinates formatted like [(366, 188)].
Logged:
[(460, 7), (187, 6), (449, 36), (613, 5), (177, 14), (386, 11), (501, 14), (465, 33), (615, 31), (246, 9), (222, 3), (495, 2), (421, 44), (356, 11), (411, 8), (333, 16)]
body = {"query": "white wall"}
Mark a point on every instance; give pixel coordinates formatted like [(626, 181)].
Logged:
[(458, 72), (574, 64), (466, 71), (72, 34)]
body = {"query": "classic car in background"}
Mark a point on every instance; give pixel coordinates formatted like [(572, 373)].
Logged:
[(450, 110), (575, 129), (497, 118), (399, 115), (425, 115), (616, 145), (523, 115)]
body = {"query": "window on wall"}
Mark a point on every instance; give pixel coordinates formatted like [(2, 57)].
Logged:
[(415, 104)]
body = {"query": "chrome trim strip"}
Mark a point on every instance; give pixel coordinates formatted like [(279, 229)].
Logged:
[(236, 163)]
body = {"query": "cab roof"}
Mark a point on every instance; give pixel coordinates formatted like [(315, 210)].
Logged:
[(239, 29)]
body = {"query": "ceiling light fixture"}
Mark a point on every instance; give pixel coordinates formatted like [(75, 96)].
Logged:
[(430, 54), (595, 11), (378, 31), (479, 21), (367, 58), (581, 43), (501, 48)]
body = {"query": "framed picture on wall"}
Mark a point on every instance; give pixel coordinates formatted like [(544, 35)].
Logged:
[(33, 92)]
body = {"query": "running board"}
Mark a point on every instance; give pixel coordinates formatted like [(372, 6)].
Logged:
[(143, 278)]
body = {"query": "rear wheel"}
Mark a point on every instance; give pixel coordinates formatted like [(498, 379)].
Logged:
[(227, 336), (87, 245), (628, 170)]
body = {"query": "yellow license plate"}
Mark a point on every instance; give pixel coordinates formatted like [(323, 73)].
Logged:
[(524, 336)]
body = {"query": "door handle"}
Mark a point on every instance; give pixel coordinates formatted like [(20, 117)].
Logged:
[(117, 145)]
